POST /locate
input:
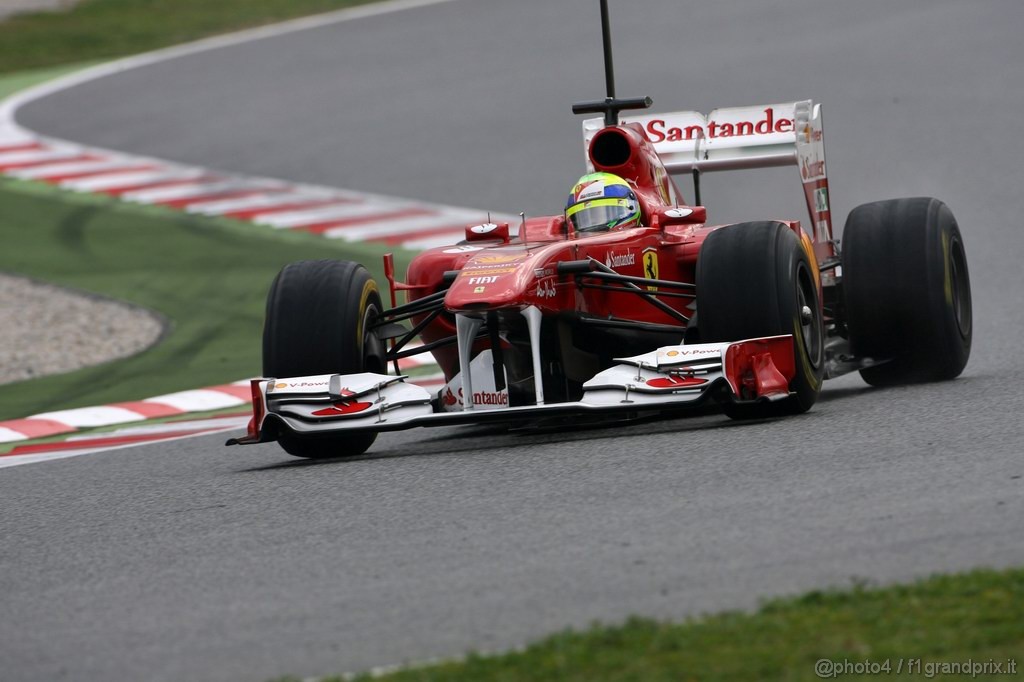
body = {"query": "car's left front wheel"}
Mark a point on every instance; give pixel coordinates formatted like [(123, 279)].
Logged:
[(319, 321)]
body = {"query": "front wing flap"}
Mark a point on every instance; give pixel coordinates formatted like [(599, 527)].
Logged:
[(669, 378)]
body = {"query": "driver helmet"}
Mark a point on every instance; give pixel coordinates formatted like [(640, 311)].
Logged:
[(600, 202)]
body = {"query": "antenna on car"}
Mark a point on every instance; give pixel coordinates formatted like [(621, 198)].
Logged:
[(610, 106)]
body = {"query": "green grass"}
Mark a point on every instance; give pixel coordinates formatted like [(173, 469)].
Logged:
[(209, 277), (12, 83), (977, 615), (104, 29)]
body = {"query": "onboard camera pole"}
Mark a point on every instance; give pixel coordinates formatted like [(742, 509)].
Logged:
[(610, 106)]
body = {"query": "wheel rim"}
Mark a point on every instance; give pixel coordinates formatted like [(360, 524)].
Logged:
[(960, 288), (810, 326)]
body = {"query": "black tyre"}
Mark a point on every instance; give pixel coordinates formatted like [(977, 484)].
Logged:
[(318, 321), (756, 279), (907, 290)]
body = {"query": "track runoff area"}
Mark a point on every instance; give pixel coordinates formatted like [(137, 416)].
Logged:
[(271, 203), (332, 213)]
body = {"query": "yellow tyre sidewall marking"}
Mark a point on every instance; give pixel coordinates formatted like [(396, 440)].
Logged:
[(947, 265), (364, 301)]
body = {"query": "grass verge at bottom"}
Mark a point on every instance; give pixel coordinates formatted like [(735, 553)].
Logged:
[(208, 277), (909, 630)]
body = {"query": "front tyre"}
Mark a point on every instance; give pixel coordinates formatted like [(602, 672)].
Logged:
[(318, 321), (907, 290), (754, 280)]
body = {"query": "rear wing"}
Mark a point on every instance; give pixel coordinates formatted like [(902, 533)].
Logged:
[(743, 137)]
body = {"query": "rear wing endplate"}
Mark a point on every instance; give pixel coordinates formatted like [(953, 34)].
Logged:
[(743, 137)]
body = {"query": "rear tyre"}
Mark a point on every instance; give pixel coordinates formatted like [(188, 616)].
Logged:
[(318, 321), (907, 290), (756, 279)]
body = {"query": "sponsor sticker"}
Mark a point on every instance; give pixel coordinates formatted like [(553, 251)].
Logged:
[(659, 130), (651, 266), (810, 134), (676, 355), (545, 289), (821, 200), (299, 385), (474, 270), (589, 190), (614, 260), (484, 228), (812, 168), (486, 396)]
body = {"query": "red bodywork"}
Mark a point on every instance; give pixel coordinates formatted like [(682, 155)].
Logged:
[(513, 274)]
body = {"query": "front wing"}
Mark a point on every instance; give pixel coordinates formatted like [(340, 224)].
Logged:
[(667, 379)]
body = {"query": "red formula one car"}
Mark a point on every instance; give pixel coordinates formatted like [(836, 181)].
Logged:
[(592, 312)]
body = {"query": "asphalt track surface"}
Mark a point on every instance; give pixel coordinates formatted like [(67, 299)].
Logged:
[(191, 561)]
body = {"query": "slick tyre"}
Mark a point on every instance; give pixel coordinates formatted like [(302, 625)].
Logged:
[(907, 290), (756, 279), (318, 321)]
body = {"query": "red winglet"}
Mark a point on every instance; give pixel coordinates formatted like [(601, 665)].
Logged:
[(760, 368), (389, 274), (257, 409), (769, 379), (252, 435)]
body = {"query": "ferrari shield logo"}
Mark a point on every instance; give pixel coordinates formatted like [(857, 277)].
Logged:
[(651, 266)]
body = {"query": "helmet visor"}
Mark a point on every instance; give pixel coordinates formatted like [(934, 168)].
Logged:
[(601, 214)]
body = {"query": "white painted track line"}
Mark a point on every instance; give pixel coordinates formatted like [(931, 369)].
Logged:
[(55, 169), (198, 400), (38, 156), (258, 201), (197, 190), (319, 215), (123, 438), (168, 427), (10, 435), (83, 417)]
